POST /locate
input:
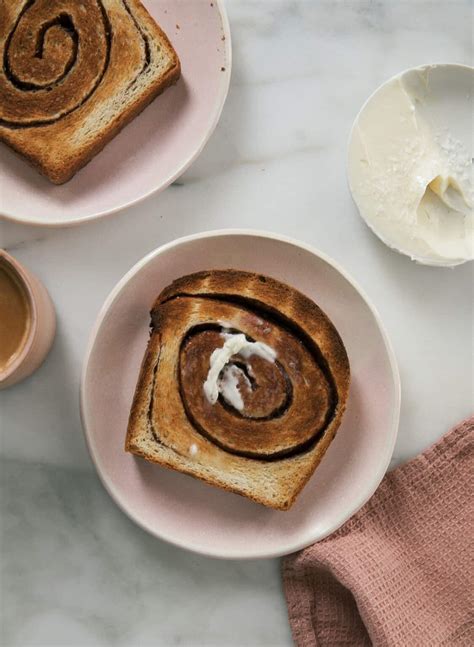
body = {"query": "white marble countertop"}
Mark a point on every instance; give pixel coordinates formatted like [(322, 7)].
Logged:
[(75, 570)]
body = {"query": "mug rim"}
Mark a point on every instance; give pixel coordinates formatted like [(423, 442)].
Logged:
[(21, 274)]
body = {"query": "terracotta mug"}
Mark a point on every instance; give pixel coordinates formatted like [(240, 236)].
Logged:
[(28, 321)]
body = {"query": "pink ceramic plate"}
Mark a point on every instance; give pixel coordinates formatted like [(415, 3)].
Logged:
[(153, 150), (192, 514)]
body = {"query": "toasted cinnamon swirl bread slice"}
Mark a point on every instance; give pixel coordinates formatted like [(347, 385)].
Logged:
[(74, 74), (243, 385)]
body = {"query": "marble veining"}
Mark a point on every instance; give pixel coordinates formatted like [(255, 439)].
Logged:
[(75, 570)]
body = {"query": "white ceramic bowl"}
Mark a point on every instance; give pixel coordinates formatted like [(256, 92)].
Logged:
[(185, 511), (447, 108), (155, 148)]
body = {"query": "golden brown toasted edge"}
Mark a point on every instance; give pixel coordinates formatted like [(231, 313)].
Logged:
[(142, 394), (318, 452), (146, 17), (62, 169)]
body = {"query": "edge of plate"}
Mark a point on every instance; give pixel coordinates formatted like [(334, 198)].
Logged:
[(391, 438), (171, 178)]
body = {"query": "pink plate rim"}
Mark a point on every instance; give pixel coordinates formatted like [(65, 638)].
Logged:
[(391, 435), (226, 75)]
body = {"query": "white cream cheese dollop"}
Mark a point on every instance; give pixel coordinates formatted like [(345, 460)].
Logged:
[(410, 164), (224, 377)]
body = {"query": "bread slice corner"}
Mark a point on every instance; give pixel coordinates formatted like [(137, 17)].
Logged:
[(60, 149), (274, 484)]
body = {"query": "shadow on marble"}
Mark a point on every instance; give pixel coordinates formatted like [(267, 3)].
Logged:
[(76, 571), (45, 408), (426, 294)]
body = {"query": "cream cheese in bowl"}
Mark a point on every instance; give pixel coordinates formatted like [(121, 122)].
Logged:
[(411, 163)]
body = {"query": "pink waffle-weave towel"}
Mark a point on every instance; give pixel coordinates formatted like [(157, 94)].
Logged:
[(400, 572)]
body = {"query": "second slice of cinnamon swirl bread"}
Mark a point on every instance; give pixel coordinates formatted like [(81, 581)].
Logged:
[(74, 74), (243, 385)]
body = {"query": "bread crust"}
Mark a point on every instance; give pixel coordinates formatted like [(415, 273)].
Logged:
[(52, 148), (159, 428)]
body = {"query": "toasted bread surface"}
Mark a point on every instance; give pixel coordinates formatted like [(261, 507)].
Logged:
[(267, 456), (74, 74)]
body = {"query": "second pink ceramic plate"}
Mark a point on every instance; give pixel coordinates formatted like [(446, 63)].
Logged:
[(194, 515), (155, 148)]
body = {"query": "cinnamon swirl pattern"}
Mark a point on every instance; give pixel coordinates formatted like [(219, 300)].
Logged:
[(65, 86), (243, 385)]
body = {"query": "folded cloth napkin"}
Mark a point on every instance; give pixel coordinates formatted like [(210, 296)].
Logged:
[(400, 571)]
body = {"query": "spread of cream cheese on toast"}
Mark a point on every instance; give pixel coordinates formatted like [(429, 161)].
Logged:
[(224, 377)]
